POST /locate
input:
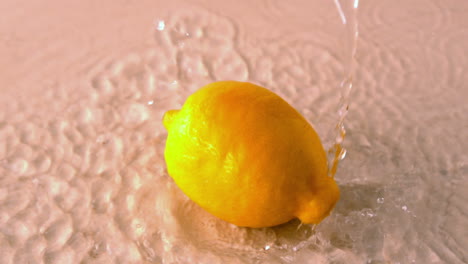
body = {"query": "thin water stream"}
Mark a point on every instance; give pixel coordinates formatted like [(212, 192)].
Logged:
[(348, 10)]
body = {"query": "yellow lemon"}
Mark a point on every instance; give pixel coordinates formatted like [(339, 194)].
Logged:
[(246, 156)]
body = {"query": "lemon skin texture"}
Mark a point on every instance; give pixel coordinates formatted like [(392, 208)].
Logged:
[(246, 156)]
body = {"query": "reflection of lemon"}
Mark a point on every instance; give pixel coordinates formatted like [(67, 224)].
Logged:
[(246, 156)]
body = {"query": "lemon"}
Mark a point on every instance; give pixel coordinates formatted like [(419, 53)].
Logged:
[(246, 156)]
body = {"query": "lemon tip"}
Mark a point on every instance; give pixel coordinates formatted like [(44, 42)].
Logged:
[(168, 118), (314, 210)]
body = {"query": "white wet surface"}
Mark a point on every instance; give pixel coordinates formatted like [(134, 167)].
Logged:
[(84, 85)]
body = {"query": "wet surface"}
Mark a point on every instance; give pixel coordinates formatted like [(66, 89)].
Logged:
[(82, 177)]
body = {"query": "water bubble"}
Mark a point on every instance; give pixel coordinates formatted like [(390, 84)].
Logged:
[(405, 208), (380, 200), (267, 247), (151, 102)]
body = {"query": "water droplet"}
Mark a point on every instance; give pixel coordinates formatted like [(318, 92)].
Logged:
[(405, 208), (356, 4), (380, 200), (342, 154), (267, 247), (160, 25)]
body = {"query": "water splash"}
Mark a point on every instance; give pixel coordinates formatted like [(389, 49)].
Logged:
[(347, 10)]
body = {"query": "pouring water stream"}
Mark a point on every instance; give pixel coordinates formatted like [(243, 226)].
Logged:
[(347, 10)]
